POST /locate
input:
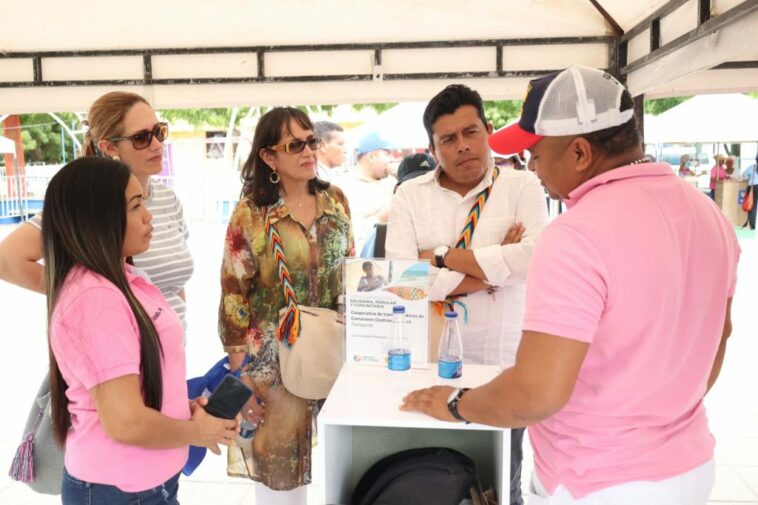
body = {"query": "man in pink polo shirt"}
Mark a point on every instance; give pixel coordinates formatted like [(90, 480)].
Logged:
[(627, 311)]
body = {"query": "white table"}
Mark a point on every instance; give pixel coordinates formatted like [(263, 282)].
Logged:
[(361, 422)]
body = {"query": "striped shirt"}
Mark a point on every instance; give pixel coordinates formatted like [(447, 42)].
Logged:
[(168, 263)]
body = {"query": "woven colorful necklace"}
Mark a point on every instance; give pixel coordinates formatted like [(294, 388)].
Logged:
[(289, 325), (464, 241)]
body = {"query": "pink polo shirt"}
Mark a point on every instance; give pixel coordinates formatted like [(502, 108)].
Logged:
[(640, 267), (718, 173), (95, 338)]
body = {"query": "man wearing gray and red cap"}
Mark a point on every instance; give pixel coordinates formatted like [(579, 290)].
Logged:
[(613, 364)]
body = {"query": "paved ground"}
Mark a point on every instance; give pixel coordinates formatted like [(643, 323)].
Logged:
[(732, 405)]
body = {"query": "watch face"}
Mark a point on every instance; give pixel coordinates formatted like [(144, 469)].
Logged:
[(452, 395)]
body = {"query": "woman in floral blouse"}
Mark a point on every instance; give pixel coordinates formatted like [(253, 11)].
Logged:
[(313, 220)]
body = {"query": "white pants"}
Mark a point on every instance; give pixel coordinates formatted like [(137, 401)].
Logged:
[(267, 496), (691, 488)]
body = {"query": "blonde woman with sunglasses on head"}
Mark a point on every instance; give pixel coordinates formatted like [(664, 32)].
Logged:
[(121, 126)]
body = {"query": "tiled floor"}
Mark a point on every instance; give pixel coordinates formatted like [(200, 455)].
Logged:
[(732, 405)]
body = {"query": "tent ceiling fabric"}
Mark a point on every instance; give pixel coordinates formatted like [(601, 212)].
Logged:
[(47, 26), (143, 24)]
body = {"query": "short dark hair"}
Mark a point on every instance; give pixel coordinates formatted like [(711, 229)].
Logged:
[(617, 139), (448, 101), (367, 264), (256, 182), (324, 129)]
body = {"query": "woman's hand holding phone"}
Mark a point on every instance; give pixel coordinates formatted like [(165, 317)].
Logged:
[(211, 431)]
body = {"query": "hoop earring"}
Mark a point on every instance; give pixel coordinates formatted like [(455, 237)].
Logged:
[(274, 177)]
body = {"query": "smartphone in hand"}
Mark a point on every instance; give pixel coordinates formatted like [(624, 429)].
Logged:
[(228, 398)]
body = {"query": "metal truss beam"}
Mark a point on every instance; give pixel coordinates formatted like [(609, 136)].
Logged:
[(261, 51), (703, 29)]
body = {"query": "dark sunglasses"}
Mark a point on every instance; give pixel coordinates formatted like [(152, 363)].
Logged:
[(143, 139), (297, 146)]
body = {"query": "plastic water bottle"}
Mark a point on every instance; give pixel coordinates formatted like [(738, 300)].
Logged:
[(246, 433), (341, 304), (450, 357), (399, 355)]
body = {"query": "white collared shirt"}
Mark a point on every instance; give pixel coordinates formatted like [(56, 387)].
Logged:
[(366, 198), (425, 215)]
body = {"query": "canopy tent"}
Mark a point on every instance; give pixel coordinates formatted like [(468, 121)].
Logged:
[(57, 56), (401, 126), (729, 118), (7, 146)]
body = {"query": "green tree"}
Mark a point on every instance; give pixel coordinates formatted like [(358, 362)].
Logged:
[(660, 105), (218, 118), (378, 107), (502, 112), (41, 136)]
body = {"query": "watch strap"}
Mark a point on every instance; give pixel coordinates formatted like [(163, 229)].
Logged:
[(439, 261), (452, 406)]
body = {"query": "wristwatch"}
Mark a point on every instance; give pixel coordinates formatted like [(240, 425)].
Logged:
[(452, 404), (439, 255)]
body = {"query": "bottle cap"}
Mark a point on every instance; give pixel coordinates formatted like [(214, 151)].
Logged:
[(451, 314), (398, 309)]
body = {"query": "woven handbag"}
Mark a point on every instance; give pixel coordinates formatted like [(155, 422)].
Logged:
[(311, 339), (39, 458)]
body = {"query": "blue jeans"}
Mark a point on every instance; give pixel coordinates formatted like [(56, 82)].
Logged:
[(78, 492), (751, 215)]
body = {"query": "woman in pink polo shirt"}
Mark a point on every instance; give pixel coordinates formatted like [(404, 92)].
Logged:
[(718, 173), (117, 368)]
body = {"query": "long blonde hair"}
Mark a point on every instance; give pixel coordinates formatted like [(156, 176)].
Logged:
[(106, 117)]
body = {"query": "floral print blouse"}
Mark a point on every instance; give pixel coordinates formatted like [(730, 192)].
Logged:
[(251, 297)]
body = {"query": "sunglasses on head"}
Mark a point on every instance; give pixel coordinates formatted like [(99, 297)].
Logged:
[(297, 146), (144, 138)]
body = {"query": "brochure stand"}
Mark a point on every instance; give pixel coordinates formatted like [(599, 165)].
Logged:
[(728, 199)]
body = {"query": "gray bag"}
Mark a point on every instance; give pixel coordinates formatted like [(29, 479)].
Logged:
[(39, 458)]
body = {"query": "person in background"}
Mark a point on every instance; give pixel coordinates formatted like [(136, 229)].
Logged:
[(412, 166), (121, 126), (117, 369), (331, 154), (718, 173), (312, 218), (729, 168), (409, 168), (514, 162), (368, 186), (611, 387), (750, 174), (684, 166)]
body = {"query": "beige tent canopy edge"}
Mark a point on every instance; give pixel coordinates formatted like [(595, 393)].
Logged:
[(189, 54)]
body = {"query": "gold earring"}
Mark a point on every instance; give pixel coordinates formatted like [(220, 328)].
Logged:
[(116, 158)]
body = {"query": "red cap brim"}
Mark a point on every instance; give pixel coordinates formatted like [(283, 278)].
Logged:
[(512, 139)]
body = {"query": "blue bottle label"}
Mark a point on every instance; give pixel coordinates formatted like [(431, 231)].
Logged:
[(450, 369), (247, 429), (399, 359)]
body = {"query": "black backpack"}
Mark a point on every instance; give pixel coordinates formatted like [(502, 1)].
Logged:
[(435, 475)]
